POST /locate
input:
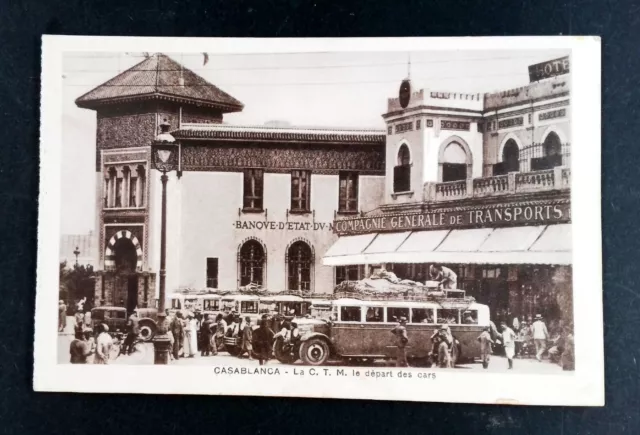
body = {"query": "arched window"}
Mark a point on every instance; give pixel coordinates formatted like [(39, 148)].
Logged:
[(299, 266), (251, 263), (552, 150), (510, 156), (454, 163), (402, 170), (552, 145)]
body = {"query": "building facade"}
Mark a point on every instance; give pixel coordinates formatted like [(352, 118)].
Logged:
[(479, 182)]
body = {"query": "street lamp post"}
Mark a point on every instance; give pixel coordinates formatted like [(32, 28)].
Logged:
[(76, 252), (164, 153)]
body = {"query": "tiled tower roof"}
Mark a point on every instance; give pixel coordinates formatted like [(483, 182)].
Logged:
[(159, 77)]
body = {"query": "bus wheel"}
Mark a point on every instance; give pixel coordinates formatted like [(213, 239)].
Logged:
[(314, 352), (147, 330), (233, 350), (283, 353)]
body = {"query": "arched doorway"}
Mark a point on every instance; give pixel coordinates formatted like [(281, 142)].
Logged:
[(454, 162), (251, 259), (126, 258), (511, 156), (299, 266)]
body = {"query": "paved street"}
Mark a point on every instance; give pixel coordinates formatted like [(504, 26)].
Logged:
[(498, 364)]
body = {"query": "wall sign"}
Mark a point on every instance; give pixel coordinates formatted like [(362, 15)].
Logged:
[(550, 68), (282, 226), (538, 214)]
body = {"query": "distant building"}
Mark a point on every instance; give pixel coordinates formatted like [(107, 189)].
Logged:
[(86, 244)]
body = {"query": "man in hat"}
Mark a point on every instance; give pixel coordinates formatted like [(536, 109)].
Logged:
[(177, 331), (485, 346), (247, 339), (400, 331), (263, 339), (443, 343), (205, 336), (540, 336)]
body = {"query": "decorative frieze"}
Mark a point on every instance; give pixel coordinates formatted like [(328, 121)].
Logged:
[(511, 122), (552, 114), (429, 123), (403, 127), (319, 159), (455, 125)]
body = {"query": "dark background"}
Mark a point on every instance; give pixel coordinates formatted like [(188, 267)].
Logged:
[(23, 22)]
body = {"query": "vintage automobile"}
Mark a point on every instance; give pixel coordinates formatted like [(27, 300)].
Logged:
[(360, 330), (114, 317)]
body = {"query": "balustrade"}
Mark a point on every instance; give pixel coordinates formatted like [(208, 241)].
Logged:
[(514, 182)]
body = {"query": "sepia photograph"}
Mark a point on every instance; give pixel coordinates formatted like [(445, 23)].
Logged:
[(356, 216)]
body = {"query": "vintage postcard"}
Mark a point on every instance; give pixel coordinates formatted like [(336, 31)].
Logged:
[(394, 219)]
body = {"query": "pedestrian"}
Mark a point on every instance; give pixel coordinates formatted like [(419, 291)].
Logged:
[(205, 335), (80, 348), (247, 339), (485, 346), (442, 340), (62, 316), (177, 331), (221, 328), (508, 341), (87, 319), (540, 336), (567, 360), (104, 343), (263, 340), (190, 336), (133, 329), (400, 332)]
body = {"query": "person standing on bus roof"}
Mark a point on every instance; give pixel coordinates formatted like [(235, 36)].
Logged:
[(509, 343), (400, 331), (447, 277)]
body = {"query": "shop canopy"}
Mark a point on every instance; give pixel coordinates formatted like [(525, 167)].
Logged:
[(545, 244)]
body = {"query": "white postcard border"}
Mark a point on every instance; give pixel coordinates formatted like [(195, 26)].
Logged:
[(584, 387)]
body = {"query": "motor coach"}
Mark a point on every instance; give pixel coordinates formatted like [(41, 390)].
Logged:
[(360, 329)]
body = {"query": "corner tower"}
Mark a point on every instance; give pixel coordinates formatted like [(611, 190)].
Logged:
[(129, 109)]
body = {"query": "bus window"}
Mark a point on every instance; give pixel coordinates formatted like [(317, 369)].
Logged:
[(374, 314), (211, 304), (249, 307), (422, 315), (175, 304), (394, 314), (469, 317), (350, 314), (446, 316)]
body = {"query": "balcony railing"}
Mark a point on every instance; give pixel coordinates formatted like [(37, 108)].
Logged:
[(514, 182)]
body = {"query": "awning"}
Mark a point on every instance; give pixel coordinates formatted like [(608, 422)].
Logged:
[(515, 245), (350, 245)]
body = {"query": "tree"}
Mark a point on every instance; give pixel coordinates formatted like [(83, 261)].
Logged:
[(76, 283)]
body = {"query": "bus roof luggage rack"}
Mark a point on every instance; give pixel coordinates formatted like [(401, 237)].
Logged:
[(411, 297)]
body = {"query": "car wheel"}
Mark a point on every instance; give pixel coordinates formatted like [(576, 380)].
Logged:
[(147, 330), (282, 352), (314, 352)]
